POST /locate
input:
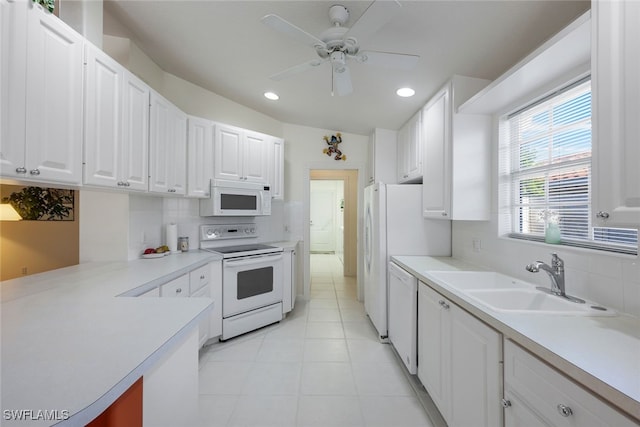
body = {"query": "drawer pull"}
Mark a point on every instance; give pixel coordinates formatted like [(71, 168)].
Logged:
[(35, 172), (21, 170), (505, 403), (564, 410), (179, 290), (602, 215), (202, 277)]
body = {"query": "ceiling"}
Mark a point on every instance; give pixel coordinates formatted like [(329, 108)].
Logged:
[(222, 46)]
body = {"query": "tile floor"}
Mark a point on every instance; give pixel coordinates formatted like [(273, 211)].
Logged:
[(321, 366)]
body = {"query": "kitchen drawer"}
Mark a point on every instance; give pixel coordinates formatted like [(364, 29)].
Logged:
[(199, 278), (549, 395), (176, 288)]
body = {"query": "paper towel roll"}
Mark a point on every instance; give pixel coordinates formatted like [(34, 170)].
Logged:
[(172, 237)]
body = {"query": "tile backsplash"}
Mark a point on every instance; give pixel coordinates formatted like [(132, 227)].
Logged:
[(148, 217)]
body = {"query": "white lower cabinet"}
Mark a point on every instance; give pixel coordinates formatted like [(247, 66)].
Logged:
[(538, 395), (459, 362), (170, 396)]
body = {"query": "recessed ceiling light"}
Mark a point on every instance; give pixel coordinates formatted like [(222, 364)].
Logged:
[(405, 92), (272, 96)]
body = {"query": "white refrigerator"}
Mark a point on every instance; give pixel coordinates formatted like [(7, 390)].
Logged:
[(393, 225)]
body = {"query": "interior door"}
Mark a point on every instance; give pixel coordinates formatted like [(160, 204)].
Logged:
[(322, 216)]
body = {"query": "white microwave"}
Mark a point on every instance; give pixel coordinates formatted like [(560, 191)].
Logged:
[(230, 198)]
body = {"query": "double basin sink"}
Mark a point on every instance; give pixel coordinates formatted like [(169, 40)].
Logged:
[(502, 293)]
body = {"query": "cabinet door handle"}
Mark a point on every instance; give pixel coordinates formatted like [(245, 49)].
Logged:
[(505, 403), (126, 184), (34, 171), (444, 214), (120, 183), (602, 215), (564, 410), (202, 277), (21, 170), (179, 290), (443, 304)]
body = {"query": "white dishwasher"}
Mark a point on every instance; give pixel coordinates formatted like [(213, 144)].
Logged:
[(403, 315)]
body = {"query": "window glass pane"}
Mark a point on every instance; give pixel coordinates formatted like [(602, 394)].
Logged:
[(551, 174)]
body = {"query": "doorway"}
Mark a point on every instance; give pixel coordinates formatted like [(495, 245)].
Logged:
[(326, 214), (333, 208)]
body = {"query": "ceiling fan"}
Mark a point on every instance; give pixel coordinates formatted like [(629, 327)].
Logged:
[(339, 43)]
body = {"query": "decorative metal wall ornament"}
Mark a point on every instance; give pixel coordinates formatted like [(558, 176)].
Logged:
[(333, 142)]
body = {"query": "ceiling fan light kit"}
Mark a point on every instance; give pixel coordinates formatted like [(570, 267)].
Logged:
[(339, 43)]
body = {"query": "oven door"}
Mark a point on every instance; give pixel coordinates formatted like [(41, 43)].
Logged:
[(251, 282)]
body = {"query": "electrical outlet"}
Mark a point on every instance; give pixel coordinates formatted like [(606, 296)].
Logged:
[(477, 244), (24, 271)]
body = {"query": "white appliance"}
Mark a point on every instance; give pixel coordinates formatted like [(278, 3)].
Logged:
[(252, 278), (234, 198), (403, 316), (394, 225)]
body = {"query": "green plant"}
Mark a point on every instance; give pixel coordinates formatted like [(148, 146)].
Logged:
[(49, 4), (36, 203)]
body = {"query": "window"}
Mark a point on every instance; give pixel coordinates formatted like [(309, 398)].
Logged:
[(547, 165)]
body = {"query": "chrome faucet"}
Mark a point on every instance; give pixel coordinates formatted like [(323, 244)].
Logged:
[(556, 274)]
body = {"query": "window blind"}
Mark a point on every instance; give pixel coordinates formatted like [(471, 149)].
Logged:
[(550, 172)]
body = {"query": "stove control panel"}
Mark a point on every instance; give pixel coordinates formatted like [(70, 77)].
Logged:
[(227, 231)]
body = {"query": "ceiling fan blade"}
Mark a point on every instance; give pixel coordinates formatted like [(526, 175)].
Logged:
[(377, 14), (296, 69), (400, 61), (286, 27), (341, 81)]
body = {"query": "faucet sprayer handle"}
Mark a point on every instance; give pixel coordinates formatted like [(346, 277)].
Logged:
[(556, 261)]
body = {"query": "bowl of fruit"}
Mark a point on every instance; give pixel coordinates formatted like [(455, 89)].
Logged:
[(158, 252)]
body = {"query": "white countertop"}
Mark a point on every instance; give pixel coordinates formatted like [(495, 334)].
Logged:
[(69, 343), (600, 353), (287, 245)]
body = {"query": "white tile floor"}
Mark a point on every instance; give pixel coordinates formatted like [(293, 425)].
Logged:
[(321, 366)]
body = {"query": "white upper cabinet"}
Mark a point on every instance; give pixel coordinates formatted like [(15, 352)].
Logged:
[(167, 147), (409, 159), (382, 154), (116, 125), (240, 155), (456, 155), (276, 168), (616, 112), (200, 156), (254, 159), (44, 121)]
